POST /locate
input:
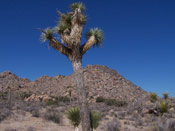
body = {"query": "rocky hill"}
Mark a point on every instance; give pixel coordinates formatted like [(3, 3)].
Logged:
[(9, 79), (99, 80)]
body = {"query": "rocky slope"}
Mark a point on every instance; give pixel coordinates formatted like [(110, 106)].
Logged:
[(99, 80)]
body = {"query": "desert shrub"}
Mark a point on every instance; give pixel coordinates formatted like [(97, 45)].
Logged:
[(61, 98), (52, 102), (4, 113), (3, 94), (30, 129), (25, 94), (95, 118), (73, 114), (113, 126), (52, 115), (35, 113), (163, 106), (153, 97), (165, 95), (113, 102), (100, 99), (171, 125)]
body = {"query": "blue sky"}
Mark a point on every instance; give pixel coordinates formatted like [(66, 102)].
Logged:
[(139, 39)]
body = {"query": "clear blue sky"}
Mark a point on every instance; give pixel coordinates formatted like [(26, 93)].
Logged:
[(139, 39)]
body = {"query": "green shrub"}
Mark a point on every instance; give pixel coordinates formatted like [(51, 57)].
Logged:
[(165, 95), (95, 117), (163, 106), (113, 102), (25, 94), (100, 99), (52, 102), (153, 97), (73, 114), (61, 99)]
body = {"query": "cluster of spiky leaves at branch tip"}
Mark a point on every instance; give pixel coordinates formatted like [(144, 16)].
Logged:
[(65, 25), (97, 33), (78, 5), (47, 34)]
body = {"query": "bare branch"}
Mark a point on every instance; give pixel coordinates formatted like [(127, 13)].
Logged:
[(86, 46)]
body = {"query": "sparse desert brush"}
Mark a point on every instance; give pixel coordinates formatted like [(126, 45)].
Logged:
[(152, 97), (113, 102), (163, 106), (113, 126), (4, 113), (52, 102), (165, 95), (52, 115), (25, 94), (100, 99)]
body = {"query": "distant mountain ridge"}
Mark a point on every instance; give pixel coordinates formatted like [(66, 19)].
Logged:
[(99, 81)]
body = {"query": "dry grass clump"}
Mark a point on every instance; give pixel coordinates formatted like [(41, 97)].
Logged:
[(113, 126), (4, 113), (52, 115)]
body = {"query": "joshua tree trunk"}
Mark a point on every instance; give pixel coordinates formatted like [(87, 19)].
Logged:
[(82, 96)]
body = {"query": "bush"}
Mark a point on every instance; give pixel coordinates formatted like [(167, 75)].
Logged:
[(113, 102), (153, 97), (165, 95), (163, 106), (25, 94), (52, 115), (100, 99), (73, 114), (35, 113), (95, 118), (4, 113), (52, 102), (113, 126)]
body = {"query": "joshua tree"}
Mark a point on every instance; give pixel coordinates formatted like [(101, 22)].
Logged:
[(69, 29)]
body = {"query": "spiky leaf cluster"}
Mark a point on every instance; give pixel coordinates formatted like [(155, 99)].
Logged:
[(95, 117), (73, 114), (97, 33), (64, 24), (165, 95), (77, 5), (47, 35)]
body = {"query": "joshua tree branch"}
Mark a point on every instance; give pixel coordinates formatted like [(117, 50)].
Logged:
[(57, 45), (86, 46)]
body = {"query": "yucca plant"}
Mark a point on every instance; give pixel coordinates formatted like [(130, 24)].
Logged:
[(163, 106), (73, 114), (165, 95), (153, 97), (95, 118), (69, 28)]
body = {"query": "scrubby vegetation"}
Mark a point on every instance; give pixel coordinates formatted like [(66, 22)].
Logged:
[(153, 97), (52, 115), (111, 102)]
